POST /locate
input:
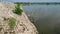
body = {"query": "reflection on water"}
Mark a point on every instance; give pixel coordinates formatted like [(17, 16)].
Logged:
[(45, 17)]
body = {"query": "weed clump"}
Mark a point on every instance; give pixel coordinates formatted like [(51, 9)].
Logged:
[(12, 22), (5, 19), (17, 9)]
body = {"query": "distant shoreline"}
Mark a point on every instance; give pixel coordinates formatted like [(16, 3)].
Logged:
[(37, 3), (40, 3)]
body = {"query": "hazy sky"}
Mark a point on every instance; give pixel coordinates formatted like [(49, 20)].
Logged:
[(33, 0)]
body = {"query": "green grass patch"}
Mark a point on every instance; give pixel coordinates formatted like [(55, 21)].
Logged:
[(12, 22), (17, 9)]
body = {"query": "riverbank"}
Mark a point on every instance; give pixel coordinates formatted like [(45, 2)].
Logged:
[(23, 24)]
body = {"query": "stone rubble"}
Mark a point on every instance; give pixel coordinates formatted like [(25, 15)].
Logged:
[(23, 24)]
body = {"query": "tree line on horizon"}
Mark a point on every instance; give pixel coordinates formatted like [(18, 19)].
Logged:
[(39, 3)]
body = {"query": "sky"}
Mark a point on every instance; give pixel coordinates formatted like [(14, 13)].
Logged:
[(32, 0)]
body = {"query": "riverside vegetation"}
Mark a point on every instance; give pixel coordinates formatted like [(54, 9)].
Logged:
[(11, 20), (17, 9)]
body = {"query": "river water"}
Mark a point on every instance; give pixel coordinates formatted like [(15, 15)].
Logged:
[(46, 18)]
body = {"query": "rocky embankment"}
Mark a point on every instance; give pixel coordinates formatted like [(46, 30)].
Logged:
[(22, 23)]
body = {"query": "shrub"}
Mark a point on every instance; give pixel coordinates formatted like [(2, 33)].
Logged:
[(17, 9)]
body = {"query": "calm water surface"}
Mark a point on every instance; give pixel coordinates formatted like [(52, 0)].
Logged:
[(45, 17)]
